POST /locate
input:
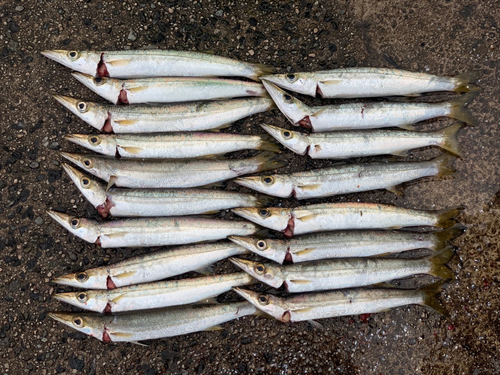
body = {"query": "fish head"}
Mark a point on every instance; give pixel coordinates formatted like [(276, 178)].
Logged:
[(272, 218), (275, 185), (95, 278), (267, 303), (94, 191), (296, 82), (100, 143), (90, 163), (291, 107), (92, 113), (269, 274), (81, 61), (295, 141), (108, 88), (88, 300), (90, 324), (87, 230), (275, 250)]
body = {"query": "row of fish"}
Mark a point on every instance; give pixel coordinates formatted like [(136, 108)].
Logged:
[(334, 242)]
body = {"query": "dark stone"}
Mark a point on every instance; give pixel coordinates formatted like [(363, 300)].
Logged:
[(252, 21), (352, 62), (160, 38), (268, 357), (332, 47), (66, 42), (54, 175), (391, 61), (246, 340), (242, 367), (13, 27), (76, 363), (87, 21), (79, 336)]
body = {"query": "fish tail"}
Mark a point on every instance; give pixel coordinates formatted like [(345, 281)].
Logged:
[(262, 200), (458, 110), (261, 70), (429, 295), (450, 142), (262, 232), (448, 218), (443, 237), (444, 164), (438, 263), (268, 143), (466, 82), (268, 160)]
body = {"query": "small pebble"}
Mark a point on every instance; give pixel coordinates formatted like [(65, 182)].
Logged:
[(132, 35), (19, 8), (38, 221), (34, 165)]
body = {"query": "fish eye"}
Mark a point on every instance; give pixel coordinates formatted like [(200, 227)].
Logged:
[(99, 81), (82, 297), (261, 245), (287, 134), (264, 299), (86, 182), (75, 223), (73, 55), (290, 77), (260, 269), (82, 107), (264, 212), (94, 140), (87, 163), (288, 98), (82, 276), (78, 322), (268, 180)]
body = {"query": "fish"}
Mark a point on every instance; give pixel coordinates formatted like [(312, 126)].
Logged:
[(371, 82), (172, 146), (156, 63), (348, 178), (367, 115), (120, 202), (158, 231), (165, 173), (321, 305), (168, 89), (152, 266), (192, 116), (154, 324), (346, 244), (156, 295), (343, 273), (349, 215), (352, 144)]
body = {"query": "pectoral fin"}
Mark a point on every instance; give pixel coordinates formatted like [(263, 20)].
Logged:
[(125, 122), (131, 150), (330, 82), (124, 274), (398, 190), (318, 113), (305, 251), (305, 217), (137, 89), (122, 334), (208, 270), (116, 299), (310, 187), (121, 62), (214, 328), (300, 281), (111, 182)]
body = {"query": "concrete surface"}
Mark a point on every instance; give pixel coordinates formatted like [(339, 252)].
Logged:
[(442, 37)]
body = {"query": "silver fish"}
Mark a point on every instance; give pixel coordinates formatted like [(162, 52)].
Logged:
[(153, 266), (371, 82), (344, 273), (172, 146), (156, 295), (350, 178), (341, 303), (158, 173), (340, 216), (158, 202), (194, 116), (154, 324), (357, 116), (169, 90), (351, 144), (159, 231), (155, 63), (345, 244)]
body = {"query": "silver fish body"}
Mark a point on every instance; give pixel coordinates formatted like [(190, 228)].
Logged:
[(344, 179), (158, 173), (342, 273), (155, 63), (159, 231), (341, 216), (181, 117), (153, 266), (155, 295), (370, 82), (345, 244), (154, 324), (169, 90), (172, 146), (351, 144)]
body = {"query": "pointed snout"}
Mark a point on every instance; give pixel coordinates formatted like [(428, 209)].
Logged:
[(245, 242), (249, 295), (244, 264)]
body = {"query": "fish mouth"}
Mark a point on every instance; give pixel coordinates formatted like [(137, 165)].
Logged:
[(85, 79), (246, 213), (64, 297), (56, 55), (65, 318), (249, 182), (246, 242), (245, 265), (74, 158), (274, 131), (66, 101), (61, 280), (79, 139), (72, 172), (61, 218), (249, 295)]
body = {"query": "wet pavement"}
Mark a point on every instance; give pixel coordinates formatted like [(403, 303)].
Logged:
[(443, 37)]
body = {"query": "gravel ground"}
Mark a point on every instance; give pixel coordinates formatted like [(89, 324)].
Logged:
[(441, 37)]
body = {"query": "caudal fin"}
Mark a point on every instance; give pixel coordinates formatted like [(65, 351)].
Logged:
[(268, 160), (442, 238), (261, 70), (438, 264), (459, 111), (450, 142), (262, 200), (466, 82), (444, 164), (268, 143), (448, 218), (430, 299)]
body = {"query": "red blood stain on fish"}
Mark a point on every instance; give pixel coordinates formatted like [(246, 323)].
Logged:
[(288, 258), (364, 317), (102, 70), (290, 227), (105, 208), (318, 91), (98, 241), (363, 111), (286, 317), (108, 128), (110, 284), (252, 93), (122, 97), (107, 309), (105, 335), (306, 123)]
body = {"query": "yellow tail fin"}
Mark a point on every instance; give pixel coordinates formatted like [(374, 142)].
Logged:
[(438, 264), (450, 142), (447, 218), (458, 110), (443, 237), (445, 165), (429, 296), (467, 82)]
